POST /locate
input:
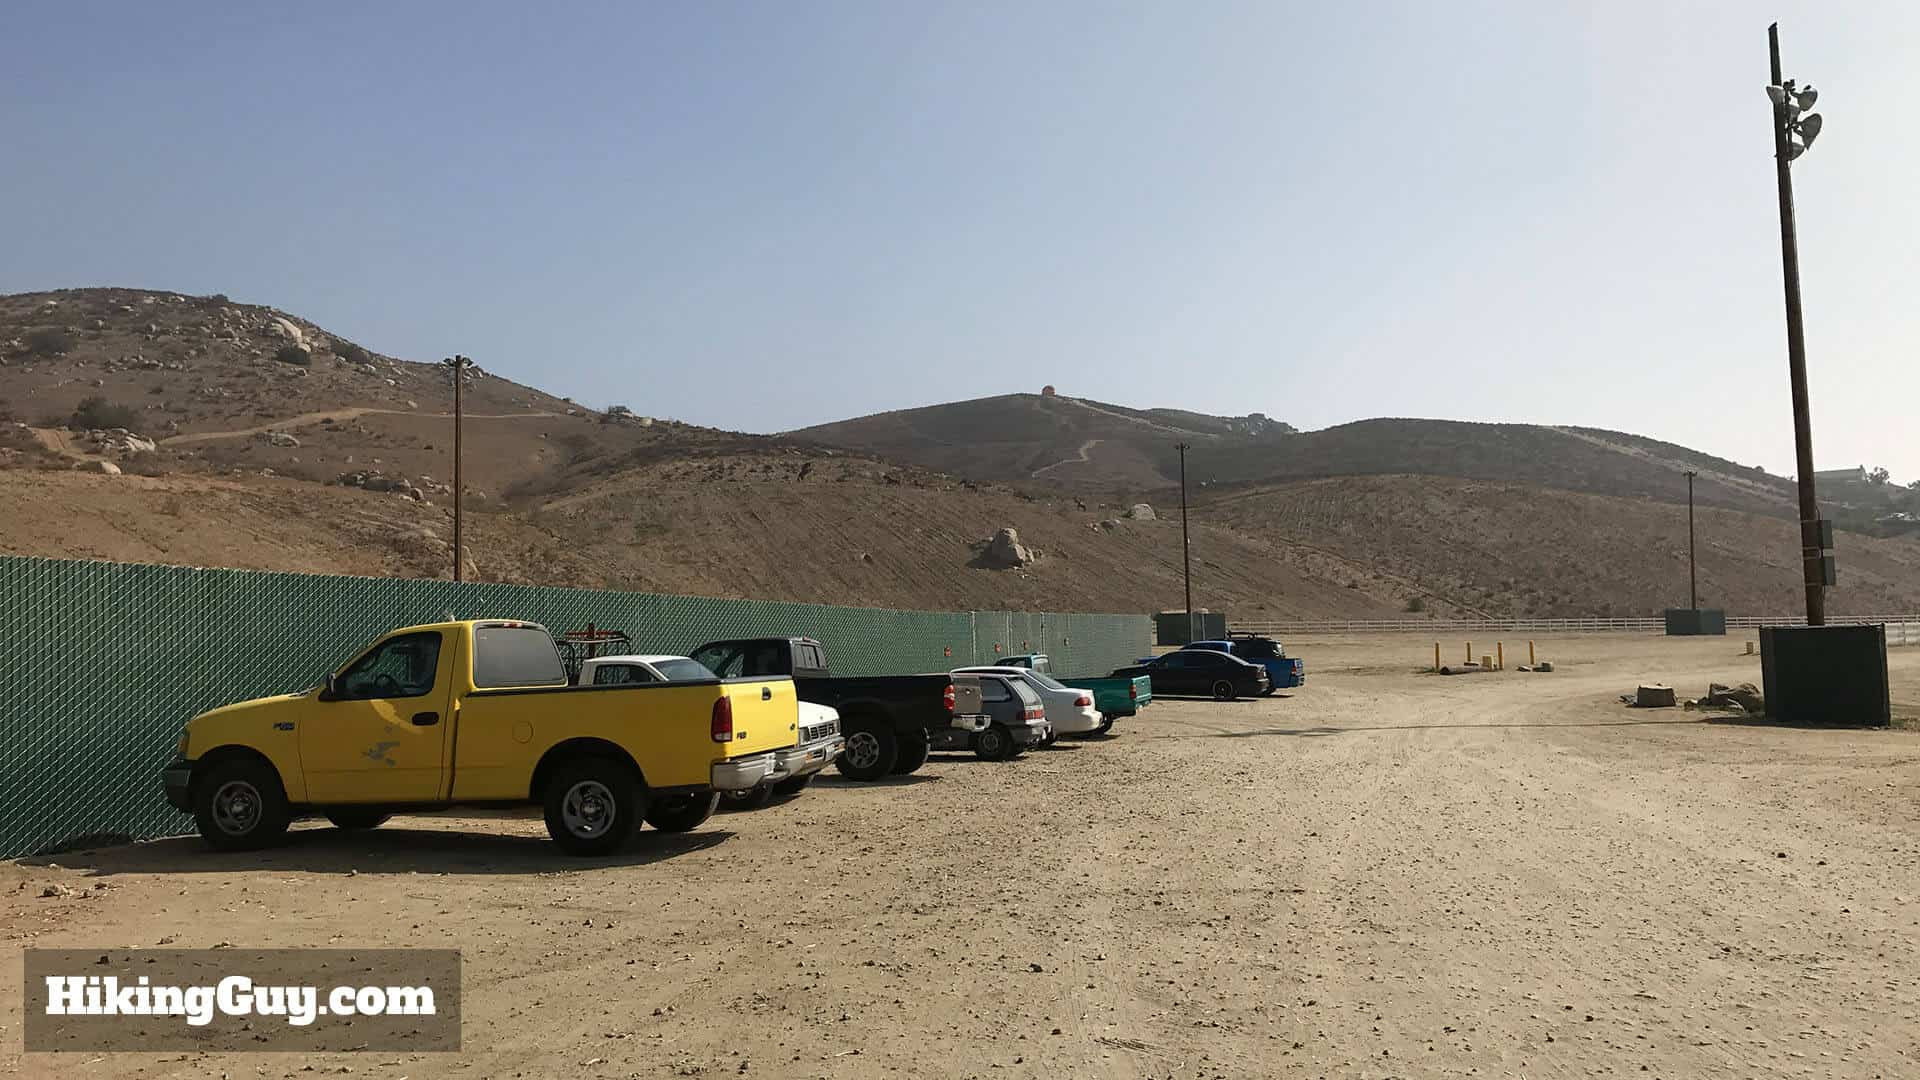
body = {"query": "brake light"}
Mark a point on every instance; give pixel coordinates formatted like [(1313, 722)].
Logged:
[(1083, 701), (949, 697), (1035, 713), (723, 720), (1133, 691)]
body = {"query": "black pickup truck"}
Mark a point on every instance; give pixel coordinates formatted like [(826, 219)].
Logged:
[(885, 718)]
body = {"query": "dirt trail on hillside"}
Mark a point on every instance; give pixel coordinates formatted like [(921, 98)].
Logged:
[(1381, 874), (60, 441), (1741, 483), (1080, 457), (336, 415)]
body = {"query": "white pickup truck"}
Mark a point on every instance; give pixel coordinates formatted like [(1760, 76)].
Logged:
[(817, 738)]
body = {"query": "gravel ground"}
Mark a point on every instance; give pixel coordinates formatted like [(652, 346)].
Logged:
[(1382, 874)]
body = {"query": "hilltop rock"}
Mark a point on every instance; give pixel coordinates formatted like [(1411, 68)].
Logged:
[(279, 438), (105, 468), (1142, 512), (1005, 550)]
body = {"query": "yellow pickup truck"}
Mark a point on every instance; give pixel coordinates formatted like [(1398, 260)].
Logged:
[(479, 713)]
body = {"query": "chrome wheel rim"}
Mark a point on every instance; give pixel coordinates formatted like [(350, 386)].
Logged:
[(236, 808), (588, 809), (863, 750)]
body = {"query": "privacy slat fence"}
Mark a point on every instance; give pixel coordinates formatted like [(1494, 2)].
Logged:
[(105, 661)]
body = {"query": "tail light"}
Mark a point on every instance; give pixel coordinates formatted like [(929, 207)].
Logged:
[(1083, 700), (949, 697), (1034, 712), (723, 720), (1133, 691)]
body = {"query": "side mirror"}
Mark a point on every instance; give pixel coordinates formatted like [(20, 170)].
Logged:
[(330, 689)]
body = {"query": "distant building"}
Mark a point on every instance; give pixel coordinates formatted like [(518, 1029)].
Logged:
[(1855, 475)]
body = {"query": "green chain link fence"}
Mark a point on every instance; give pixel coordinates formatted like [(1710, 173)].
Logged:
[(106, 661)]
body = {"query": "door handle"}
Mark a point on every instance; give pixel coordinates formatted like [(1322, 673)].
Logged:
[(425, 719), (766, 693)]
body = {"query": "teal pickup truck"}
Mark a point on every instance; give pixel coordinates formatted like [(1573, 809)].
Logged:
[(1112, 696)]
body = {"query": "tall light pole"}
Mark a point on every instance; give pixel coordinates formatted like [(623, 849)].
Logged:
[(1186, 547), (1788, 122), (1693, 580), (457, 367)]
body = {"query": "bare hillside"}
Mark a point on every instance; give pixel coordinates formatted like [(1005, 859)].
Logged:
[(1507, 549), (1061, 442)]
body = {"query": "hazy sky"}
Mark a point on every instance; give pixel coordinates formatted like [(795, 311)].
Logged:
[(761, 216)]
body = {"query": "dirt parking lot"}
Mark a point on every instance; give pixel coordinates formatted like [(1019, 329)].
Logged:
[(1382, 874)]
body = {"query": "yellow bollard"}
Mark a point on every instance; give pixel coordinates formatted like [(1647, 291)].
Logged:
[(1530, 660), (1469, 652), (1486, 663), (1436, 656), (1500, 656)]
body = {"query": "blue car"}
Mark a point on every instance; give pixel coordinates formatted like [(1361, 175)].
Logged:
[(1283, 671)]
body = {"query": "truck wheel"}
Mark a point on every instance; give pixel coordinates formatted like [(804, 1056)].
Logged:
[(750, 799), (357, 819), (994, 744), (912, 755), (793, 785), (239, 805), (593, 805), (678, 813), (869, 755), (1224, 691)]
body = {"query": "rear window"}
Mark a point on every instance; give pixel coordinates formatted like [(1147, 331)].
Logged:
[(1047, 681), (515, 656), (620, 675), (682, 670), (1026, 695)]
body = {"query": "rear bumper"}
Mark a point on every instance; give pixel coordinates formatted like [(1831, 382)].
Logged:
[(178, 780), (806, 760), (964, 722), (744, 774), (1078, 721), (1030, 734)]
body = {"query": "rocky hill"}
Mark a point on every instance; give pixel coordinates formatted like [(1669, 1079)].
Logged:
[(158, 427)]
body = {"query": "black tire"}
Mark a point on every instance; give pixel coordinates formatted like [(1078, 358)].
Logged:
[(1224, 690), (1106, 725), (1052, 737), (593, 805), (994, 744), (792, 785), (751, 799), (239, 805), (912, 753), (357, 819), (870, 753), (679, 813)]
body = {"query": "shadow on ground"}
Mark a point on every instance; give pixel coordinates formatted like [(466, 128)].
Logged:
[(837, 781), (1312, 732), (387, 850)]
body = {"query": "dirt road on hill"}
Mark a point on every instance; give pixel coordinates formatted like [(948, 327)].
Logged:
[(1382, 874)]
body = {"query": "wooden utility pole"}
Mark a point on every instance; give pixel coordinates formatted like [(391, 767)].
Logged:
[(1186, 547), (1693, 579), (1812, 546), (457, 365)]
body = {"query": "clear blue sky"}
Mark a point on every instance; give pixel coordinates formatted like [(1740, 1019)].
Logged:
[(761, 216)]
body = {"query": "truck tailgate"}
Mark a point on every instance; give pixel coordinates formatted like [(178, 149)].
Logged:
[(766, 715)]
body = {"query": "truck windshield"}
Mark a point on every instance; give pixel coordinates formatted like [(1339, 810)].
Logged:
[(515, 656)]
